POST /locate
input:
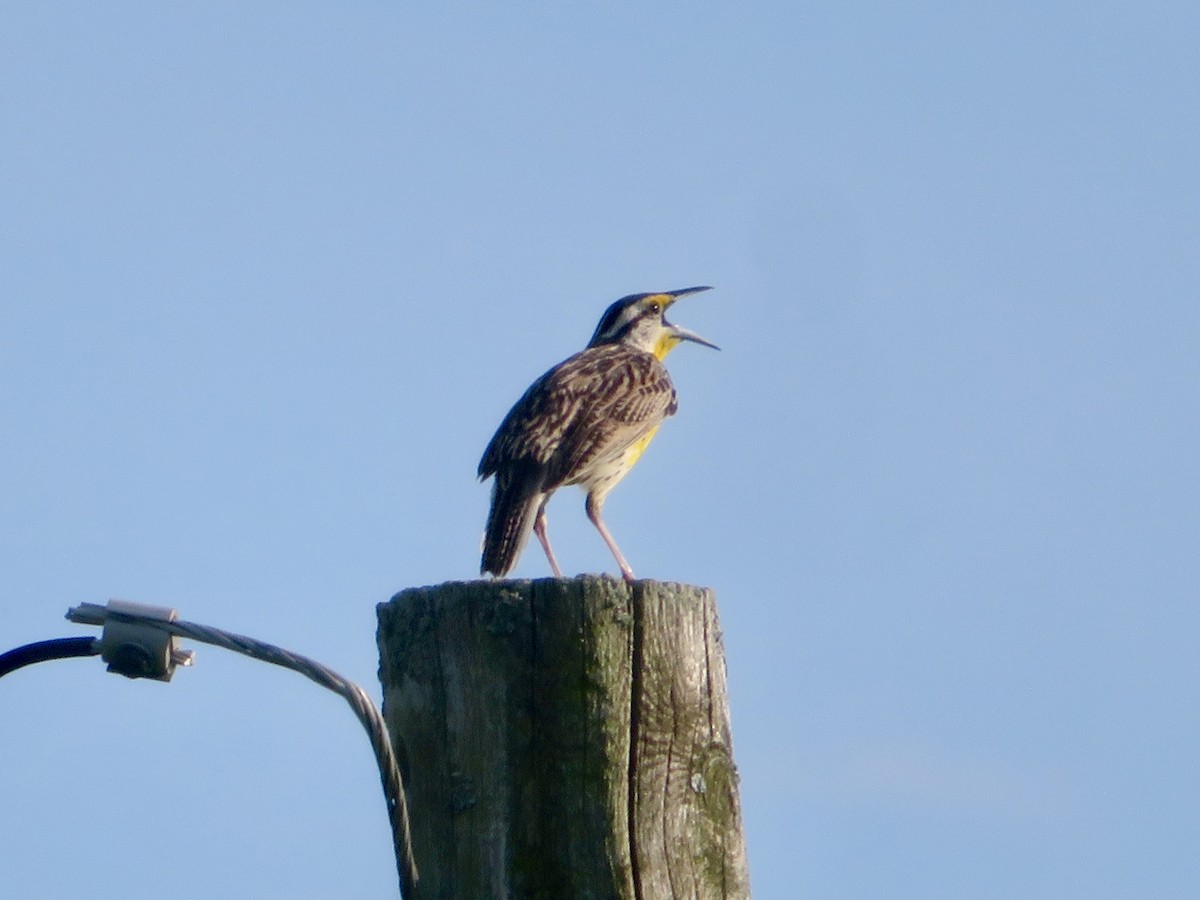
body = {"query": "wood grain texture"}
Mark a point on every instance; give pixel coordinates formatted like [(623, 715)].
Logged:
[(564, 738)]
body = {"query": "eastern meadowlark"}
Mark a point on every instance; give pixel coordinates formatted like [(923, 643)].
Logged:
[(585, 422)]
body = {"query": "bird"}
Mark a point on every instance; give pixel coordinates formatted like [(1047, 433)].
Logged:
[(584, 422)]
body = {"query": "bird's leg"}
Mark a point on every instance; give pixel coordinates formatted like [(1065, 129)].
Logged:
[(539, 528), (594, 504)]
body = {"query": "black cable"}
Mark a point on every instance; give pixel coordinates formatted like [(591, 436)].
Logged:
[(368, 715), (44, 651), (358, 699)]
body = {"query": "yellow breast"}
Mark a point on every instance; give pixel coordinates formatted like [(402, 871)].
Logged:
[(638, 447)]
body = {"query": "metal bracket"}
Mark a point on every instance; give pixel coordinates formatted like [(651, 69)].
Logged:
[(130, 643)]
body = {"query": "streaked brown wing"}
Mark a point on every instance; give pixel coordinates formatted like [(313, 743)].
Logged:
[(631, 398), (534, 427), (589, 407)]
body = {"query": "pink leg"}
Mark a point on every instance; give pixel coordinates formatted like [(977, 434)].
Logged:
[(539, 528), (594, 505)]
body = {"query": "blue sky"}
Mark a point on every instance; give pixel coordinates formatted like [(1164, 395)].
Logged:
[(271, 274)]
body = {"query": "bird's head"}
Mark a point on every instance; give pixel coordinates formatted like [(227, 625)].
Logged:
[(639, 320)]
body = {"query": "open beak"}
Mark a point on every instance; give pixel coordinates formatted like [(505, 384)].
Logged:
[(683, 334)]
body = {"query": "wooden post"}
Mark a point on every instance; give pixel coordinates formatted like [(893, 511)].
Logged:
[(564, 738)]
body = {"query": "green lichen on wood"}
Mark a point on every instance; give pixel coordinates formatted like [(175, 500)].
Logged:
[(552, 700)]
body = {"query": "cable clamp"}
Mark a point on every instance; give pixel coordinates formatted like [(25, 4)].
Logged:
[(131, 643)]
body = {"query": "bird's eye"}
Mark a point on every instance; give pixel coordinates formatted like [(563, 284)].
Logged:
[(654, 309)]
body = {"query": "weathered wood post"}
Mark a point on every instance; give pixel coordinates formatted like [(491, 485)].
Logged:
[(564, 738)]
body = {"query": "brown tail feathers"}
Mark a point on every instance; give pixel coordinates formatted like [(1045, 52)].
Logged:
[(515, 502)]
